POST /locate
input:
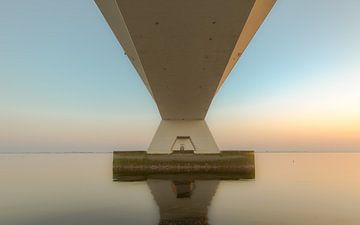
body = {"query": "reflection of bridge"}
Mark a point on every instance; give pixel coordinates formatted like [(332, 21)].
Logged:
[(183, 52), (183, 198), (183, 201)]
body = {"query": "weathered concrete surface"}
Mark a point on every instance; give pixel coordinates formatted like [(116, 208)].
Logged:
[(224, 165)]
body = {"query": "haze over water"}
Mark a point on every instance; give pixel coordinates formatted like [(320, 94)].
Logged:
[(289, 188)]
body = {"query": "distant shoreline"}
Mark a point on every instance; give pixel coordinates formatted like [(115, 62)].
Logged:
[(110, 152)]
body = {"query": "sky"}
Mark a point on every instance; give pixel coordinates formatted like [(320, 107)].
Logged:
[(65, 84)]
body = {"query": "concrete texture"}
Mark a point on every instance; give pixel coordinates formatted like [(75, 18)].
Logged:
[(224, 165), (166, 136)]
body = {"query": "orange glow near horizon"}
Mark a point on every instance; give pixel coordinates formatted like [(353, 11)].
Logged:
[(305, 118)]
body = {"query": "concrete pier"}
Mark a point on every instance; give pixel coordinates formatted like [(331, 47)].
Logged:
[(140, 165)]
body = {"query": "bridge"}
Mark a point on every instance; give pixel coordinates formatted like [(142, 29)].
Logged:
[(184, 51)]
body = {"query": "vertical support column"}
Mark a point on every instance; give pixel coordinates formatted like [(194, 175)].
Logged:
[(170, 130)]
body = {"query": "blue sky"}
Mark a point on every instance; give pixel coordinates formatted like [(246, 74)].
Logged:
[(65, 84)]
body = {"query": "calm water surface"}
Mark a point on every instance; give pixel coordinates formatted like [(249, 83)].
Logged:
[(289, 188)]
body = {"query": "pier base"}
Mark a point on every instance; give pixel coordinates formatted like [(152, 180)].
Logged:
[(224, 165)]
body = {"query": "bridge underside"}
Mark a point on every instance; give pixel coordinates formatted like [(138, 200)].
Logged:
[(183, 52)]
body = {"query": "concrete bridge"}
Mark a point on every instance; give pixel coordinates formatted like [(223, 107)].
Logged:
[(183, 51)]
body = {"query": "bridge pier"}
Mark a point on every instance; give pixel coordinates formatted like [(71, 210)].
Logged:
[(183, 135), (183, 52)]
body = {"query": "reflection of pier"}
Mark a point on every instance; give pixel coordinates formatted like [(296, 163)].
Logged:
[(183, 198), (183, 201)]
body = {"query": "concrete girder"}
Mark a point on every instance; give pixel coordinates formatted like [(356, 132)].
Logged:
[(184, 50)]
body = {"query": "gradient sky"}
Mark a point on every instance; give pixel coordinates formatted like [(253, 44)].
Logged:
[(65, 84)]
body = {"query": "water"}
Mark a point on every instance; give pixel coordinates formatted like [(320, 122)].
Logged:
[(289, 188)]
